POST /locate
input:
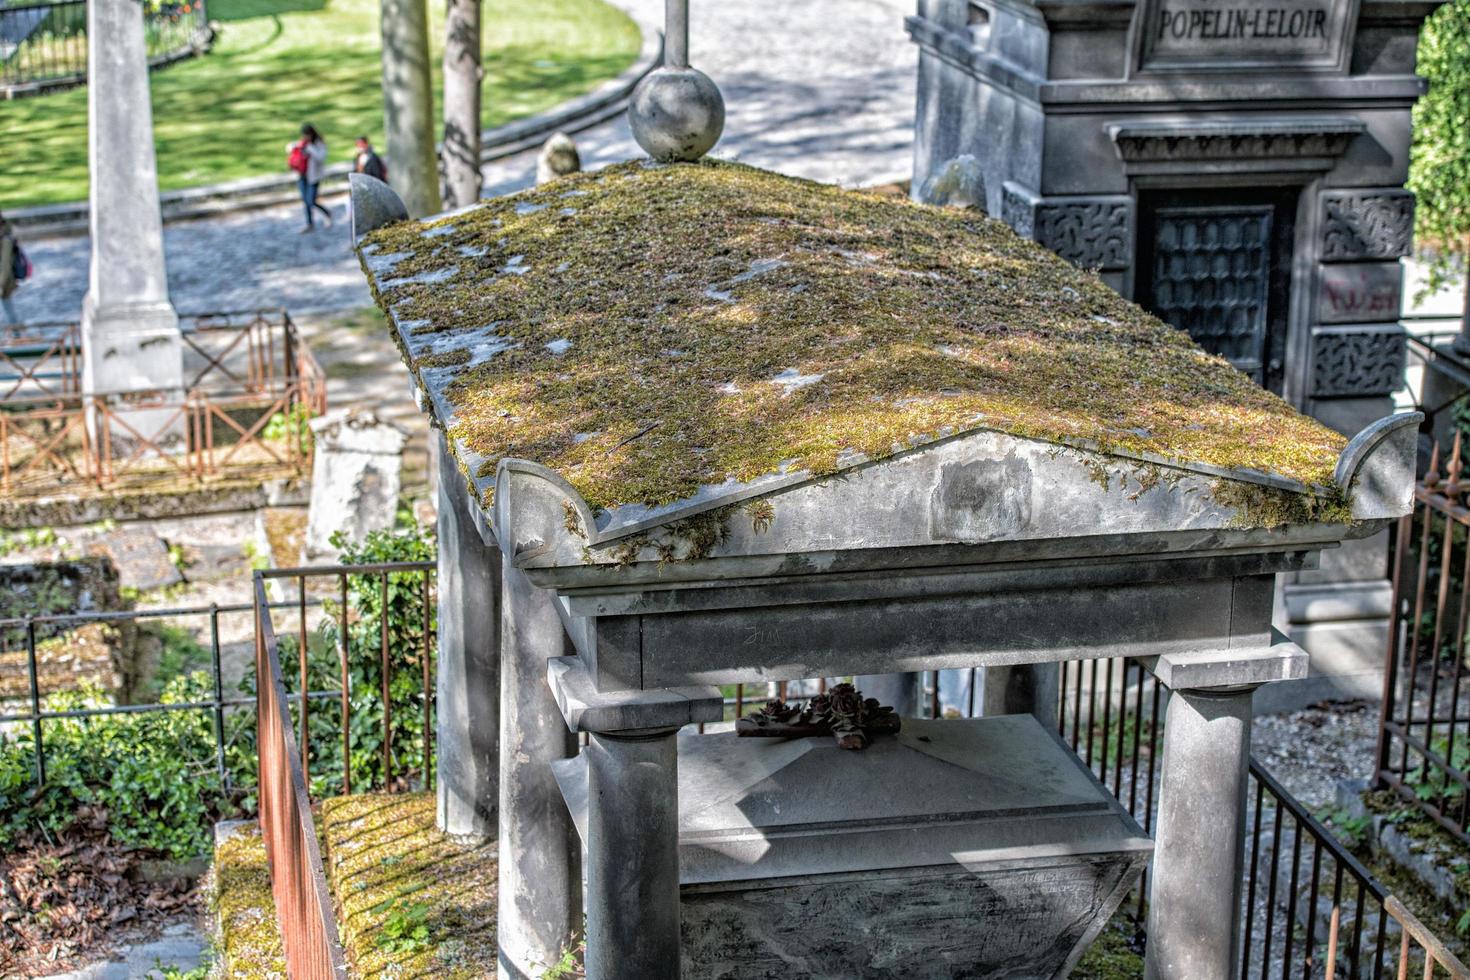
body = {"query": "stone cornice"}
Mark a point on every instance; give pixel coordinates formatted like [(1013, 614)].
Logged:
[(1276, 139)]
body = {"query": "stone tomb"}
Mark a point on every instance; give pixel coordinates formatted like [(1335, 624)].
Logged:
[(1234, 166), (1001, 855), (724, 426)]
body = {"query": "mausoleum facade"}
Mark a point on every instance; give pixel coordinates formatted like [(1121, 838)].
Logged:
[(1234, 166)]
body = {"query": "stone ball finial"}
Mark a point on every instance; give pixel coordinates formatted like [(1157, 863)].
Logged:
[(677, 114)]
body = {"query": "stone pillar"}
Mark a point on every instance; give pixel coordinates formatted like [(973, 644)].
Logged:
[(1199, 840), (130, 332), (632, 816), (540, 900), (633, 856), (899, 691), (1024, 689), (467, 688)]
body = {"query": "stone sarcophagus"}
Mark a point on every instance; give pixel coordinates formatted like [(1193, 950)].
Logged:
[(719, 426), (1000, 855)]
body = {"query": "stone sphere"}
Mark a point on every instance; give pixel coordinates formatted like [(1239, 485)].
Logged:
[(677, 114)]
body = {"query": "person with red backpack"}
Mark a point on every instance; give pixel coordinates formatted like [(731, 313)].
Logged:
[(14, 267), (308, 157)]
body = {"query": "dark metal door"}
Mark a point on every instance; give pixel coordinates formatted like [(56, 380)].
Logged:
[(1218, 264)]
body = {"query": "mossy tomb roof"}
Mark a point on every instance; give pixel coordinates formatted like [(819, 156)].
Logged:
[(646, 330)]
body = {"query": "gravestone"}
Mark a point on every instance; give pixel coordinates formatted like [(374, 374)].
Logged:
[(130, 332), (1237, 168), (355, 477)]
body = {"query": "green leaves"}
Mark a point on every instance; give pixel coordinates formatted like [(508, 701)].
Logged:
[(1439, 167)]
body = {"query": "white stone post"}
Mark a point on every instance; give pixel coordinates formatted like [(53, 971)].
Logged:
[(540, 899), (1199, 839), (467, 686), (130, 332)]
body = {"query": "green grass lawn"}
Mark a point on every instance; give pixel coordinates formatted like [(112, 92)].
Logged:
[(279, 63)]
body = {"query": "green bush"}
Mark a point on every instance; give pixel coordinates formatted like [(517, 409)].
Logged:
[(154, 774), (405, 630)]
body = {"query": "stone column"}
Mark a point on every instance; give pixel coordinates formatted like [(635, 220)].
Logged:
[(540, 900), (632, 816), (1024, 689), (130, 332), (633, 856), (1199, 840), (467, 687), (899, 691)]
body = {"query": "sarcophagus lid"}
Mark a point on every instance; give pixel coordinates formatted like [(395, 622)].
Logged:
[(958, 848)]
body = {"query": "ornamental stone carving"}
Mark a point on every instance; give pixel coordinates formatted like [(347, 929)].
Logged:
[(1357, 361), (1360, 225), (1090, 233), (1282, 139)]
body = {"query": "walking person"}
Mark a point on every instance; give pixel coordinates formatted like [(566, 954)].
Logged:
[(368, 161), (14, 267), (308, 157)]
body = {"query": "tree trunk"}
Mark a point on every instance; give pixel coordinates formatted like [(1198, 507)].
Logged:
[(408, 105), (460, 159)]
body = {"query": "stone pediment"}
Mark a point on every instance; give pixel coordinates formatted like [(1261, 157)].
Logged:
[(654, 363)]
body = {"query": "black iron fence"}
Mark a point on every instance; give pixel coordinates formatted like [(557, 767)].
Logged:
[(1424, 729), (43, 46)]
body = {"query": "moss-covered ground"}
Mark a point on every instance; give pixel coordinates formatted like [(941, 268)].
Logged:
[(279, 63), (248, 945), (1115, 955), (667, 327), (412, 902)]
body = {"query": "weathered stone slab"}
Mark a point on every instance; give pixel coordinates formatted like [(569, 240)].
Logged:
[(355, 477), (141, 558)]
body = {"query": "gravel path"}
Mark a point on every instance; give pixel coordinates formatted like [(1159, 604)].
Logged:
[(823, 89)]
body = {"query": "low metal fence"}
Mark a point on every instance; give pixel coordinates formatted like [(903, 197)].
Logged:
[(1424, 726), (250, 385), (43, 46), (303, 899)]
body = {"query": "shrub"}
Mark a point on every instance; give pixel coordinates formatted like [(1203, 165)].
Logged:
[(154, 774)]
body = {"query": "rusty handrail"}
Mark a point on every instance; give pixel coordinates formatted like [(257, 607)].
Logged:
[(303, 901)]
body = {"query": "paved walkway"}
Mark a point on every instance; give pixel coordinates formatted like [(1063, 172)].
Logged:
[(821, 89)]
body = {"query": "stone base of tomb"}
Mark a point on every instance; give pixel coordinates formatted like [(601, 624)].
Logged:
[(957, 848)]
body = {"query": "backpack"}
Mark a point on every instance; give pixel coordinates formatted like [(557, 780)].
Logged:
[(20, 266), (296, 160), (373, 167)]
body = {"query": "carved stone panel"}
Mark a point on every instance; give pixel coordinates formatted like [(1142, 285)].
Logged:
[(1090, 233), (1357, 361), (1234, 34), (1359, 225), (1362, 292)]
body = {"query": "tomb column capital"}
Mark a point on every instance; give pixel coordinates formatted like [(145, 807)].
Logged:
[(629, 714)]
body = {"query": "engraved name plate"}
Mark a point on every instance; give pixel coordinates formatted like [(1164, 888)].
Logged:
[(1232, 34)]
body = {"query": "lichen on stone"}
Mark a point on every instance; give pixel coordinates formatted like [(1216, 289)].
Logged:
[(248, 943), (691, 324)]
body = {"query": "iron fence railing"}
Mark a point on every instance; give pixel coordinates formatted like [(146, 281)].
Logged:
[(250, 385), (43, 46), (1424, 728), (298, 881)]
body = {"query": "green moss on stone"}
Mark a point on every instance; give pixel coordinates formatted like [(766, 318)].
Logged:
[(686, 293), (249, 941), (387, 862)]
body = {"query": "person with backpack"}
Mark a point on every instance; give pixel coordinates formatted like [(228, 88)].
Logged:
[(308, 157), (368, 161), (14, 268)]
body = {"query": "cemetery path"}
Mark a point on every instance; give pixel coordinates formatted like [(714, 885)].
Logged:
[(823, 89)]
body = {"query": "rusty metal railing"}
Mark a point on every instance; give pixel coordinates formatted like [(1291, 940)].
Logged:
[(303, 901), (1424, 726), (251, 385)]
